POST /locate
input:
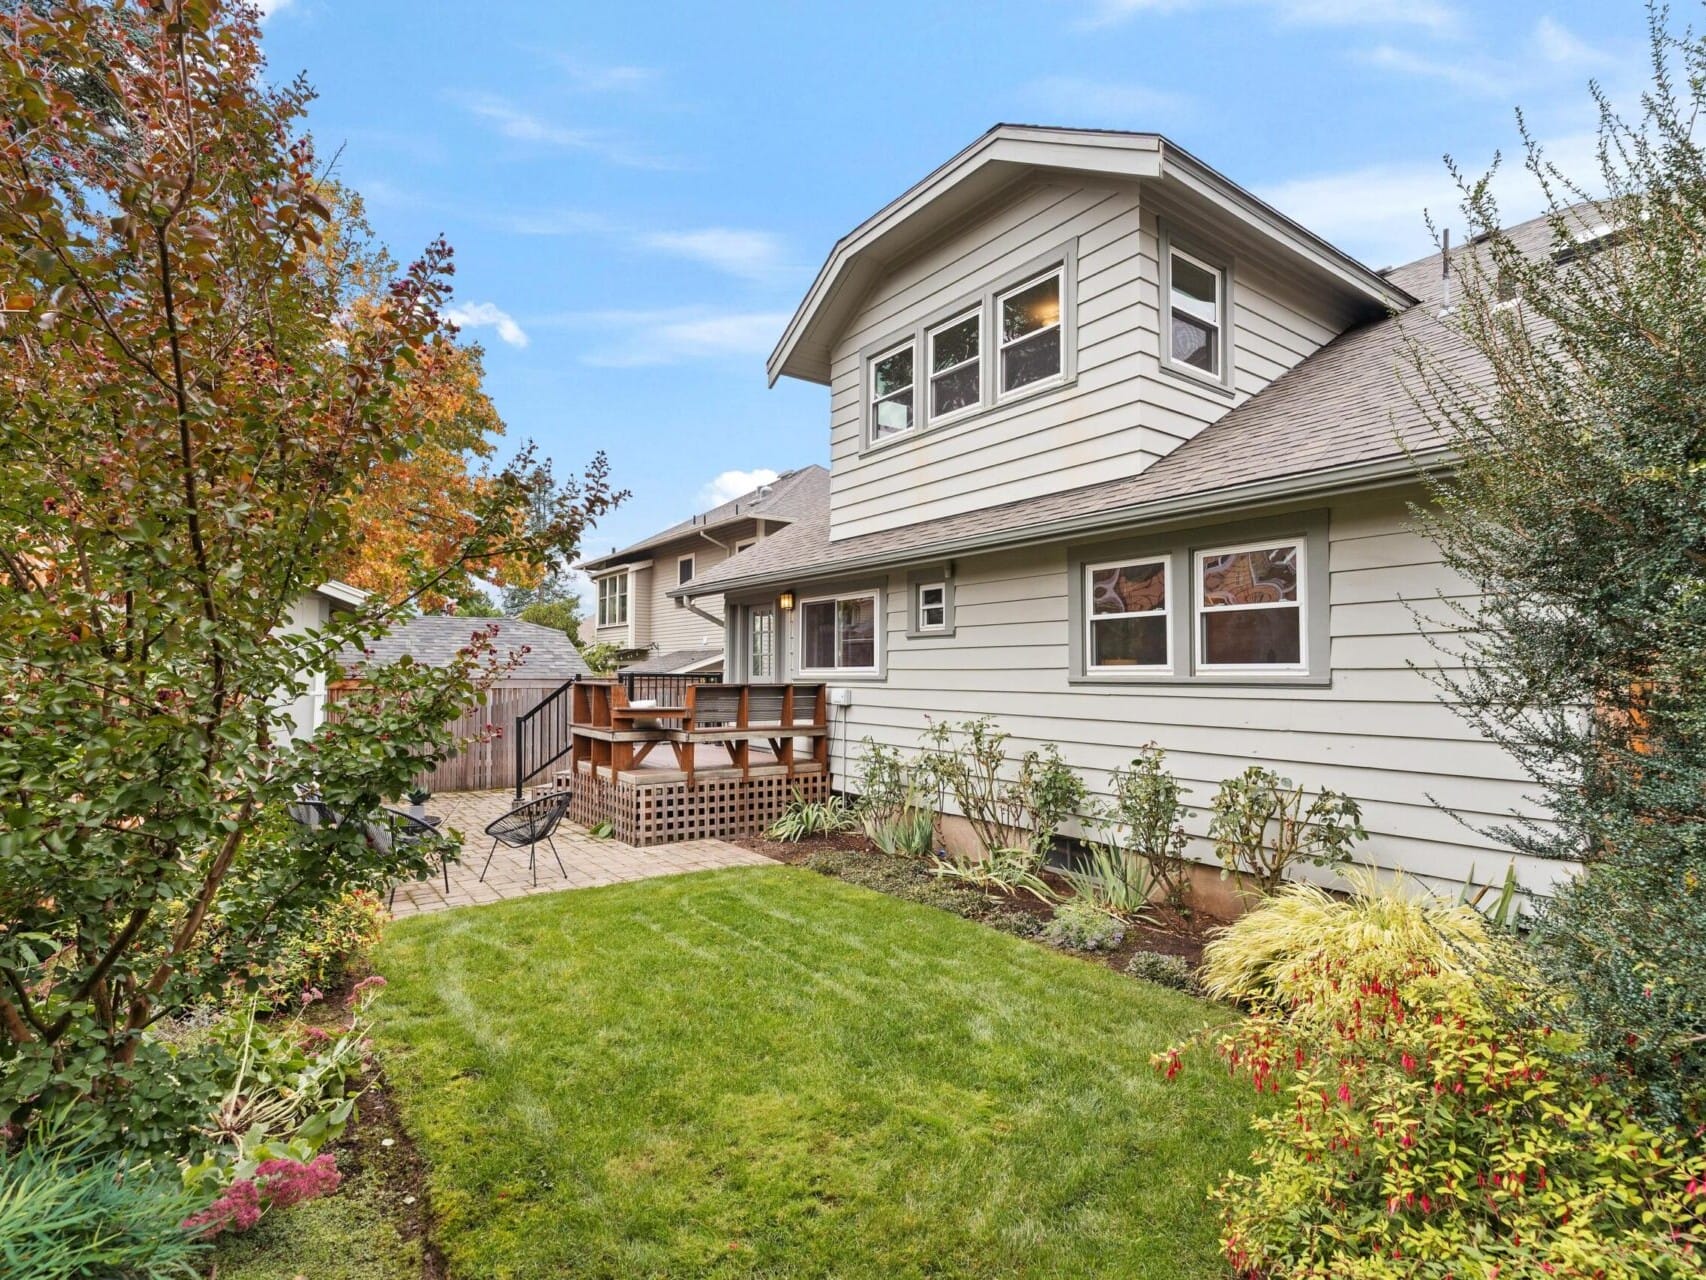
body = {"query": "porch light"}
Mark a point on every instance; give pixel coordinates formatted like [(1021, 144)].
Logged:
[(785, 602)]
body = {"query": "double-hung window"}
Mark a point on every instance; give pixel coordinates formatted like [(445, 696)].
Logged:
[(955, 365), (1195, 301), (1250, 608), (839, 633), (891, 392), (1029, 319), (932, 606), (1129, 616), (613, 600)]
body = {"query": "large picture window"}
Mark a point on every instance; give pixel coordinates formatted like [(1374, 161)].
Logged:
[(839, 633), (1129, 615), (1030, 333), (613, 600), (1249, 607)]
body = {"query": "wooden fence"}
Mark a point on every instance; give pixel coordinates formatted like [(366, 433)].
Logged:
[(484, 766)]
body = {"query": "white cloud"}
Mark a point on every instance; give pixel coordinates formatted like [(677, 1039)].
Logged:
[(587, 77), (1378, 212), (479, 315), (1080, 100), (1551, 54), (751, 254), (520, 125), (636, 339), (729, 485), (1432, 15)]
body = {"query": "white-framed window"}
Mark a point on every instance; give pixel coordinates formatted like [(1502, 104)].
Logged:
[(956, 365), (684, 567), (1128, 610), (1028, 317), (1250, 607), (1196, 294), (932, 606), (892, 378), (613, 600), (839, 633), (745, 544)]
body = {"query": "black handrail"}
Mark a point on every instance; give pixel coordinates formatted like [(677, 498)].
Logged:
[(668, 687), (543, 735)]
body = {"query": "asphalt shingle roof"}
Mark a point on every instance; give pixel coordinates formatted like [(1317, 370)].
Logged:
[(663, 664), (433, 641), (790, 493)]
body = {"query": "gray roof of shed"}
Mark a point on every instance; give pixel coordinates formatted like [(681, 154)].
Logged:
[(662, 664), (1344, 416), (434, 640)]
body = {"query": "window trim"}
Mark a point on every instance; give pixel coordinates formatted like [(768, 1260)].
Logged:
[(940, 575), (875, 596), (691, 560), (1309, 527), (872, 400), (1200, 611), (1088, 572), (1062, 259), (619, 590), (745, 544), (924, 624), (931, 418), (1223, 381), (1003, 395)]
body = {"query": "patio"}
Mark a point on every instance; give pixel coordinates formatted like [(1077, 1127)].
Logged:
[(589, 860)]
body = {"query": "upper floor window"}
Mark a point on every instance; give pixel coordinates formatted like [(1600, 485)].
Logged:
[(1129, 615), (1030, 332), (956, 382), (891, 393), (684, 570), (1195, 299), (839, 633), (613, 600), (1250, 610)]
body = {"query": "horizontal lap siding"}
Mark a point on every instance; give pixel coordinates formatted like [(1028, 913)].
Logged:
[(1379, 733), (1120, 415), (674, 626)]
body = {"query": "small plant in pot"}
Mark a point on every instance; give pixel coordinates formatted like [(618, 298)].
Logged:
[(417, 802)]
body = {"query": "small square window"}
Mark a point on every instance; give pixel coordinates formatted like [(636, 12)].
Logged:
[(1030, 333), (891, 393), (1195, 296), (932, 606)]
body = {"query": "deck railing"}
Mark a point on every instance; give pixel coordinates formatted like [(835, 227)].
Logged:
[(669, 689), (543, 735)]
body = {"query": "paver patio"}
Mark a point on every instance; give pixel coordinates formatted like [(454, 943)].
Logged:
[(587, 859)]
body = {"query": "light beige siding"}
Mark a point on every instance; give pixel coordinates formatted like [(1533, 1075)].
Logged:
[(673, 625), (1122, 412), (1378, 733)]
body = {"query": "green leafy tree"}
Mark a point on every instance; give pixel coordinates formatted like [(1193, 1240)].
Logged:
[(188, 407), (1578, 508), (560, 615)]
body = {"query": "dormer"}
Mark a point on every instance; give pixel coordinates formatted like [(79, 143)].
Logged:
[(1049, 309)]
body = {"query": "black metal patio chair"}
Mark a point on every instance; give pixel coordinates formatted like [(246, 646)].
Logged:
[(313, 814), (406, 829), (525, 826)]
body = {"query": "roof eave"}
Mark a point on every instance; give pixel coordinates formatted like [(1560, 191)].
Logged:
[(1373, 475)]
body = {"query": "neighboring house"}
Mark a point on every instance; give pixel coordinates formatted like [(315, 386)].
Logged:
[(1119, 455), (660, 633), (549, 661), (313, 610)]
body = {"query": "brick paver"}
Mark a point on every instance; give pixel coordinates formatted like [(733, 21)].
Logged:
[(587, 860)]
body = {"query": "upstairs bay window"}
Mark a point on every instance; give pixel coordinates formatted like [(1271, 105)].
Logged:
[(891, 393), (1030, 333), (613, 600), (839, 633), (1250, 611), (956, 349)]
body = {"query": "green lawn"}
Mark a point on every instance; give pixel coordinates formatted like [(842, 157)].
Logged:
[(766, 1072)]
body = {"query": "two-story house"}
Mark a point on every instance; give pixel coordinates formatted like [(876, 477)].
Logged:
[(658, 633), (1121, 454)]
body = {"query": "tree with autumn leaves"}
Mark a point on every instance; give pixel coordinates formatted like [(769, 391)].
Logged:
[(213, 396)]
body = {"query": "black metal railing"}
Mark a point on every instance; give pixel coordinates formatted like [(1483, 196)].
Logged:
[(543, 734), (666, 689)]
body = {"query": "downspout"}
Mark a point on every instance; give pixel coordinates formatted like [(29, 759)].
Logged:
[(709, 617)]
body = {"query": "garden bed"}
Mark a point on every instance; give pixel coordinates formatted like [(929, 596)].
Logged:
[(1163, 931)]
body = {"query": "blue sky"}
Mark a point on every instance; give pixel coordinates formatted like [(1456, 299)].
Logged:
[(639, 195)]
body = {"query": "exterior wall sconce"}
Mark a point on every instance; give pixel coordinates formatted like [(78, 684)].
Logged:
[(785, 602)]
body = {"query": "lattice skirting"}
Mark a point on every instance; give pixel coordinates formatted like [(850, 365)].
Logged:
[(648, 813)]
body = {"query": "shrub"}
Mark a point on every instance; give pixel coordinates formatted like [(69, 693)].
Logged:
[(804, 819), (1078, 926), (1261, 827), (1021, 924), (1143, 820), (969, 762), (1008, 871), (908, 833), (1164, 971), (1113, 881), (885, 785), (1434, 1128), (70, 1212), (327, 950)]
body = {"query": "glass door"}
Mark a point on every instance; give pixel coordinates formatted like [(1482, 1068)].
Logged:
[(761, 644)]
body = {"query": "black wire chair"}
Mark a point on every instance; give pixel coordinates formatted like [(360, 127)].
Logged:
[(405, 829), (525, 826), (313, 814)]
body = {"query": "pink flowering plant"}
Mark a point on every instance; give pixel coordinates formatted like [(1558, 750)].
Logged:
[(277, 1184), (1431, 1124)]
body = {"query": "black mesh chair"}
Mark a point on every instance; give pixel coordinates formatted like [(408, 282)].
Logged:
[(313, 814), (525, 826), (406, 829)]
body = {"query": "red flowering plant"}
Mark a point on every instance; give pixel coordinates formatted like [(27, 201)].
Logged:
[(1435, 1127)]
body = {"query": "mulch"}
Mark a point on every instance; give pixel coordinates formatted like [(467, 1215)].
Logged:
[(1164, 930)]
